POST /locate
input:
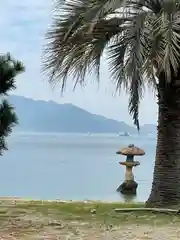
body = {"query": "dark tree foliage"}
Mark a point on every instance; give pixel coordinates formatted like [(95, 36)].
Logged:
[(9, 69)]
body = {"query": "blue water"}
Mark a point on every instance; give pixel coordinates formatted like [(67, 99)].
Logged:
[(67, 166)]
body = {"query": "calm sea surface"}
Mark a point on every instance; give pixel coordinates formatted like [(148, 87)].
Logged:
[(67, 166)]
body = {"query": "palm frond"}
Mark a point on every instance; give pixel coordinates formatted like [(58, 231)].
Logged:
[(127, 57), (116, 57), (141, 36), (82, 53), (170, 47), (77, 16)]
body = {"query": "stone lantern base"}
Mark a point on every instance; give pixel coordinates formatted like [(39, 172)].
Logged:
[(128, 187)]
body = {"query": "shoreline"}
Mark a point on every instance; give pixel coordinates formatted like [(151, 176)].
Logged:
[(25, 219), (63, 201)]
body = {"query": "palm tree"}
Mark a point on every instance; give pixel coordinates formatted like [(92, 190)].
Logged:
[(141, 41), (9, 69)]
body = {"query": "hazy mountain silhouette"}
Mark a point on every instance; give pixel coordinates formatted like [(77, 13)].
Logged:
[(149, 128), (48, 116)]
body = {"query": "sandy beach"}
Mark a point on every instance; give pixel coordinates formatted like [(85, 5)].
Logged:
[(23, 219)]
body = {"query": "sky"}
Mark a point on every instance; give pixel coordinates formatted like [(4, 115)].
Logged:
[(23, 25)]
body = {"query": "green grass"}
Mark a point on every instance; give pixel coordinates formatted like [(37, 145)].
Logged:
[(79, 211), (77, 208), (29, 218)]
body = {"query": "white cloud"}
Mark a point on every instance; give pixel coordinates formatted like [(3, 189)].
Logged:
[(23, 25)]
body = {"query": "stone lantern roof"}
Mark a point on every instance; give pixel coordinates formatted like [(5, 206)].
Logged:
[(131, 150)]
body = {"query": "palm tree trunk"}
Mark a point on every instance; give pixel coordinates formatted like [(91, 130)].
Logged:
[(166, 179)]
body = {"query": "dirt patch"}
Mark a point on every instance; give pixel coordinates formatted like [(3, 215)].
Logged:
[(132, 232), (33, 221)]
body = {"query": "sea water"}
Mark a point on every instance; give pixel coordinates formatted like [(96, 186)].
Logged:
[(72, 166)]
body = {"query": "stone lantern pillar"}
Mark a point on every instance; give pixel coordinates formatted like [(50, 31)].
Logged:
[(129, 186)]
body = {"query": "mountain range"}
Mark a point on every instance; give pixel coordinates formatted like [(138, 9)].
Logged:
[(48, 116)]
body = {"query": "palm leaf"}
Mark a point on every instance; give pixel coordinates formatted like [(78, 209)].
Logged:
[(141, 37), (82, 53)]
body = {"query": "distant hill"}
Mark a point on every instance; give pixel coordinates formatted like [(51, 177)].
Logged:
[(48, 116), (149, 128)]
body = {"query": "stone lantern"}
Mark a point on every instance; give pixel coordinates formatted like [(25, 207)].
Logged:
[(129, 186)]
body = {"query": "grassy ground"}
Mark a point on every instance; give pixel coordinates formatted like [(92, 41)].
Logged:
[(92, 220)]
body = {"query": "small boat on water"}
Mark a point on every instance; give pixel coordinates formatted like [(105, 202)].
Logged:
[(124, 134)]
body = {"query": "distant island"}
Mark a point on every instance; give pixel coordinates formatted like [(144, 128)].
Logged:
[(48, 116)]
